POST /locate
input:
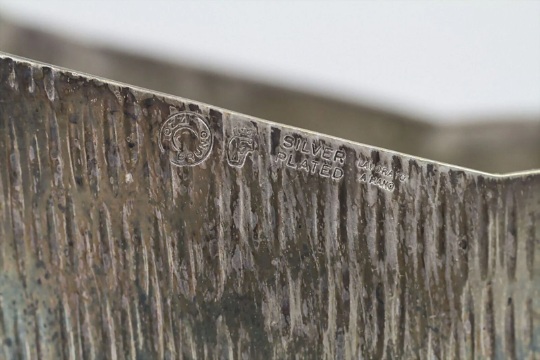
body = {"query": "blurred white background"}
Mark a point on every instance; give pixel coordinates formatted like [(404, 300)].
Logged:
[(444, 60)]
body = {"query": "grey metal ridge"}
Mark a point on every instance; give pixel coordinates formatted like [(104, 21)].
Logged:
[(135, 224), (307, 131)]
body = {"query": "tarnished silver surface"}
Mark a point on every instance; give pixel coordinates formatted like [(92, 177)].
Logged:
[(138, 225)]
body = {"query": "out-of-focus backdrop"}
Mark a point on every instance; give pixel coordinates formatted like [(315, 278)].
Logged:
[(452, 81)]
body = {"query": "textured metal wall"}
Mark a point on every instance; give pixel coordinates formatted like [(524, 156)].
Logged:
[(127, 233)]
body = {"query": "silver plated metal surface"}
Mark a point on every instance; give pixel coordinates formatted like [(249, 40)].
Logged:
[(139, 225)]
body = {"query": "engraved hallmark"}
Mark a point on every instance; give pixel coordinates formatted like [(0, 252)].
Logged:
[(186, 138), (379, 175), (313, 157), (242, 143)]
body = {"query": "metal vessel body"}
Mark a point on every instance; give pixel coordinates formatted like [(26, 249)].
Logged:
[(272, 242)]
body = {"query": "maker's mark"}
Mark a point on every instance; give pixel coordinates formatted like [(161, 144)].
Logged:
[(242, 143), (186, 138)]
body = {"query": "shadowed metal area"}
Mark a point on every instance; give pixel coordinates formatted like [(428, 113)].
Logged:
[(138, 225)]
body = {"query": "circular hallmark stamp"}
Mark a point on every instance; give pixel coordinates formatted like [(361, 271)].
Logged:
[(186, 138)]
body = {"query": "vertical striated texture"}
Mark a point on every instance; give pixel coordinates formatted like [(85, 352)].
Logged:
[(267, 241)]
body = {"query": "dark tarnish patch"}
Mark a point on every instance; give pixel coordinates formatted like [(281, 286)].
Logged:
[(442, 213), (509, 330), (380, 314), (375, 156), (530, 246), (396, 163), (343, 209), (431, 170), (380, 215), (216, 116), (483, 236), (511, 237), (149, 102), (275, 137)]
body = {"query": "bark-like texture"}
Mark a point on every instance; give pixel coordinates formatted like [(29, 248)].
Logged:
[(109, 251)]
